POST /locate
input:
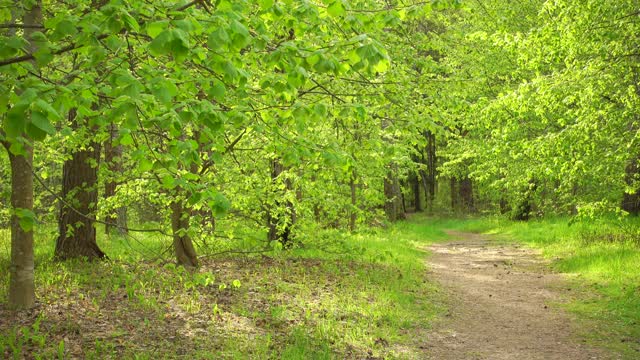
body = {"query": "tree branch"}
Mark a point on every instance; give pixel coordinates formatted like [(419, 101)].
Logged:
[(30, 57), (21, 26)]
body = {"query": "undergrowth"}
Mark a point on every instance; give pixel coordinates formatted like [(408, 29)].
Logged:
[(336, 295)]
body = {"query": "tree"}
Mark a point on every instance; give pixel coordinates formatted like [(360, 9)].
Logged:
[(76, 225), (18, 144)]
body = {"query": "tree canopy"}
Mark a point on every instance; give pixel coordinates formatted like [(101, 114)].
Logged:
[(260, 121)]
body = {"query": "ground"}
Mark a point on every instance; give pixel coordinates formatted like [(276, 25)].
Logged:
[(409, 291), (500, 300)]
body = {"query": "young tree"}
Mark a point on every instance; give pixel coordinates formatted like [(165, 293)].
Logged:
[(18, 143)]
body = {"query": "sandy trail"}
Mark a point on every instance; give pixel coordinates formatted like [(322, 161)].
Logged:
[(498, 296)]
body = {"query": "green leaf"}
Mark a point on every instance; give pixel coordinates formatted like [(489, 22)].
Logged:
[(265, 4), (145, 165), (40, 120), (48, 109), (65, 28), (219, 205), (26, 218), (212, 121), (43, 56), (195, 198), (336, 9), (168, 182), (230, 71), (218, 38), (130, 22), (240, 37), (164, 90), (14, 123), (155, 28), (160, 44), (217, 90), (125, 139), (180, 39), (17, 148), (35, 133)]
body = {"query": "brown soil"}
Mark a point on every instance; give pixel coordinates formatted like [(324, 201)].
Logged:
[(500, 300)]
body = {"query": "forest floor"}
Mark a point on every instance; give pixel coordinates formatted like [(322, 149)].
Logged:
[(537, 290), (500, 298)]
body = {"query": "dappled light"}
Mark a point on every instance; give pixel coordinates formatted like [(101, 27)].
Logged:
[(319, 179)]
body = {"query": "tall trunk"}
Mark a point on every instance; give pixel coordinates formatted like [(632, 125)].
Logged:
[(417, 198), (21, 278), (466, 195), (393, 205), (454, 194), (428, 176), (280, 225), (353, 213), (76, 225), (117, 220), (631, 201), (431, 167), (523, 210), (504, 205), (183, 247), (21, 270), (390, 203)]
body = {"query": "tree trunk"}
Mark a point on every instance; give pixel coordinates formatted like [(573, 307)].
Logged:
[(183, 247), (280, 224), (631, 202), (393, 205), (524, 209), (117, 220), (466, 195), (504, 206), (454, 194), (353, 213), (21, 270), (417, 198), (428, 176), (21, 278), (76, 225)]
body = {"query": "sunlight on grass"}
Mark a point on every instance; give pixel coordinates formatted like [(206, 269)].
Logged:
[(338, 295)]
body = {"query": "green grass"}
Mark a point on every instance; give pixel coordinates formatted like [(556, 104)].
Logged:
[(337, 296), (602, 259)]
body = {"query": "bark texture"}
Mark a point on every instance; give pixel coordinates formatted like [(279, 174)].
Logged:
[(183, 247), (393, 207), (453, 185), (631, 201), (353, 214), (117, 220), (76, 224), (431, 173), (21, 269), (21, 278), (467, 202), (280, 222)]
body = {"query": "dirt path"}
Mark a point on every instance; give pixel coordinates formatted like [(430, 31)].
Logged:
[(499, 299)]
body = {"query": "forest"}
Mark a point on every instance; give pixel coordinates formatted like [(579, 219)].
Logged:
[(276, 178)]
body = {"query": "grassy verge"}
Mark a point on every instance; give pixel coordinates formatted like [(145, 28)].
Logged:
[(337, 296), (602, 259)]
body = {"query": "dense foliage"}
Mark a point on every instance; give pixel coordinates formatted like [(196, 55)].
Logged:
[(259, 122)]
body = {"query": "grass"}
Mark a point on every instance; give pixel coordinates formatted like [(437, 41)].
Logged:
[(337, 296), (602, 260)]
